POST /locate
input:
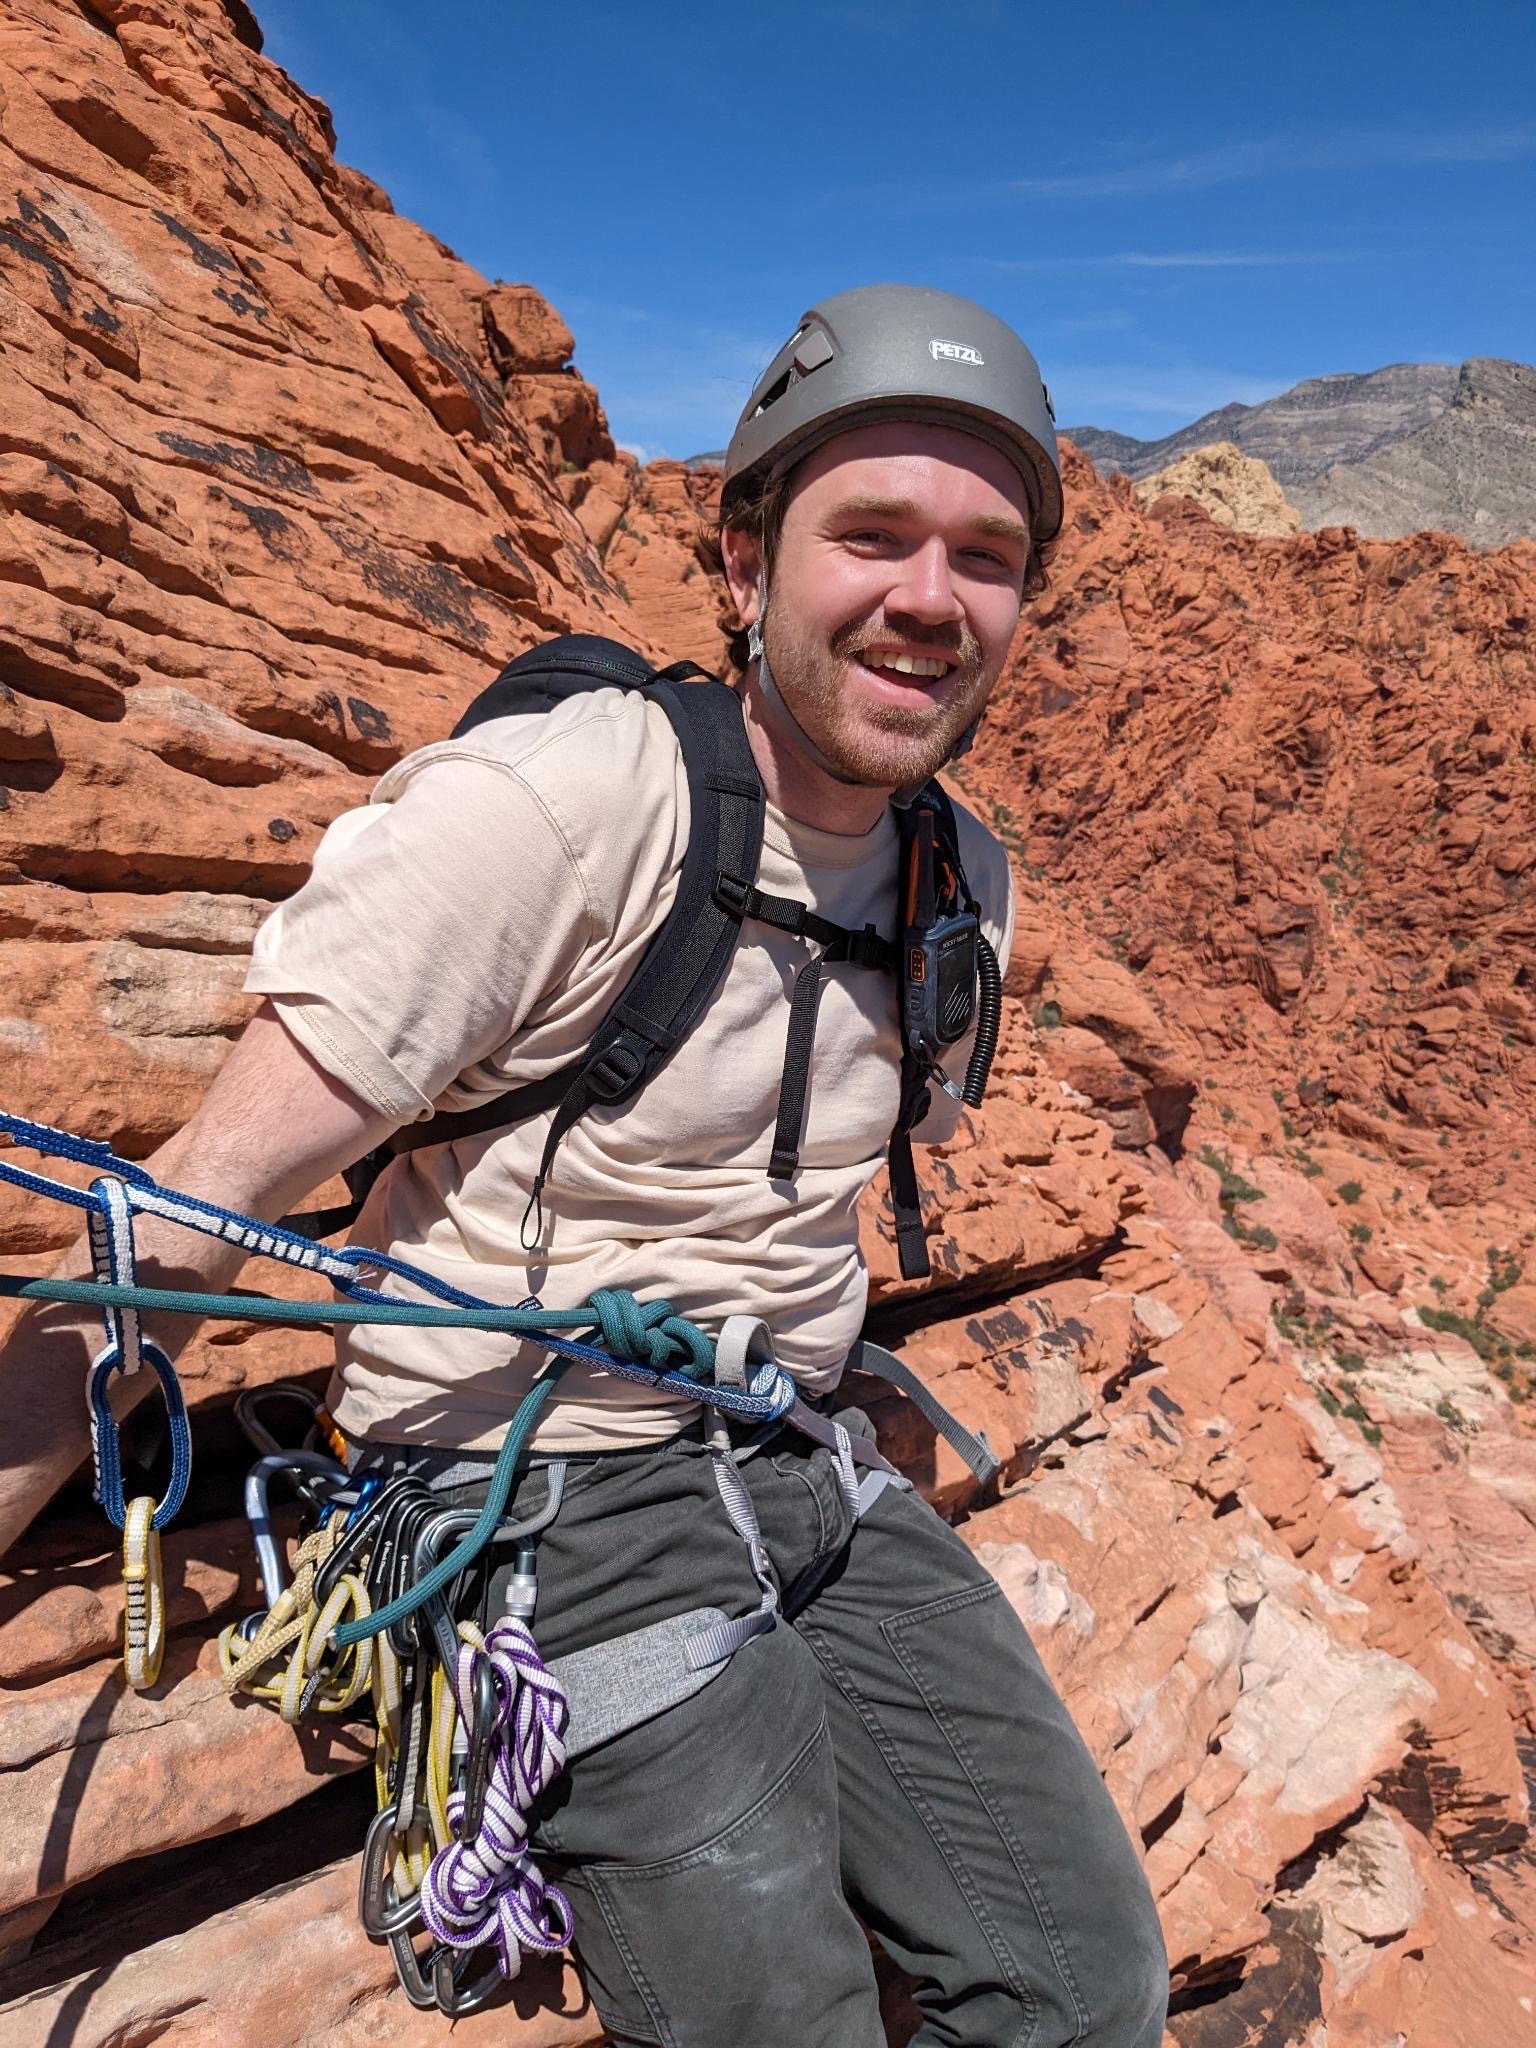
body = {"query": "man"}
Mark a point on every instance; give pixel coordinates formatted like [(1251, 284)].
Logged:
[(892, 1751)]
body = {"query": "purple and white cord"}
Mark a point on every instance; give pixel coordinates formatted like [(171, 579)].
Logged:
[(489, 1888)]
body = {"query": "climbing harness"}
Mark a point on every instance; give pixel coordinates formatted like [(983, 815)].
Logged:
[(472, 1726)]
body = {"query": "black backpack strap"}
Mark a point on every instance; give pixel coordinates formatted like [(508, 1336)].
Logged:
[(689, 955), (906, 1198), (907, 1203), (836, 942), (681, 967)]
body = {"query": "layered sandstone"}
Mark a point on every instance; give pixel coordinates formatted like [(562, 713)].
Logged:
[(283, 481)]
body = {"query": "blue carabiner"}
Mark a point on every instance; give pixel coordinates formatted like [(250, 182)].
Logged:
[(107, 1442)]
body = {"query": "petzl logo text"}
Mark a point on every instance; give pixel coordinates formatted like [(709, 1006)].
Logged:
[(955, 352)]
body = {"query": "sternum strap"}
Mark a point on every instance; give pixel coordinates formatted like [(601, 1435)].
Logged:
[(834, 942)]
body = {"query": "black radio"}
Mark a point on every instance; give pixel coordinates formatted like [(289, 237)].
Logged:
[(941, 948)]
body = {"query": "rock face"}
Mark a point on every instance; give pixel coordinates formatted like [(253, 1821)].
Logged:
[(1234, 1268), (1390, 452), (1467, 471), (1301, 775), (1237, 490)]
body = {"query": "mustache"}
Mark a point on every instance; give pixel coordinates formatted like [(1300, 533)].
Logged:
[(955, 643)]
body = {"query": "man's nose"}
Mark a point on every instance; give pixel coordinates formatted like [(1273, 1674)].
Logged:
[(925, 588)]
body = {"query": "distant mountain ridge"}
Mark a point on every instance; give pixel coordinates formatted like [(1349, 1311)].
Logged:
[(1388, 451)]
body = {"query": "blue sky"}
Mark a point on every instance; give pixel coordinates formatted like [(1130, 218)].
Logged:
[(1176, 204)]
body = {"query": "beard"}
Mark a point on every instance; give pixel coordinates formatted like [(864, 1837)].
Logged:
[(871, 742)]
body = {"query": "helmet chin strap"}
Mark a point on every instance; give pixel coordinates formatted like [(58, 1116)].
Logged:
[(793, 730), (788, 724)]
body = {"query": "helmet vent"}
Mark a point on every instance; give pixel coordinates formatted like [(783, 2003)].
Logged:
[(810, 350), (773, 394)]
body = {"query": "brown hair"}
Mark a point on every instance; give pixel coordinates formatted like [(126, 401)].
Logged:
[(755, 506)]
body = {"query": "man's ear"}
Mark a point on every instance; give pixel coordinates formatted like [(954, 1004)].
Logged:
[(743, 560)]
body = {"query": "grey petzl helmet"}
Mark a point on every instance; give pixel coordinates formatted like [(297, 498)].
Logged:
[(901, 352)]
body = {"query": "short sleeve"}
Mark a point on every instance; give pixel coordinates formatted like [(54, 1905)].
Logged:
[(430, 925)]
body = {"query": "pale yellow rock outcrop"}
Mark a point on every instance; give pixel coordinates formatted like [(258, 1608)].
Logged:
[(1236, 489)]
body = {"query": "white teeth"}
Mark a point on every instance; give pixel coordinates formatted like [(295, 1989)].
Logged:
[(910, 664)]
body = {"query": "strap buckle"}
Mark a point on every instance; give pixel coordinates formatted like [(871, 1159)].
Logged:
[(867, 948), (615, 1072), (733, 894)]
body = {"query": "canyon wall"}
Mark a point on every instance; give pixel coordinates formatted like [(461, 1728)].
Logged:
[(1231, 1268)]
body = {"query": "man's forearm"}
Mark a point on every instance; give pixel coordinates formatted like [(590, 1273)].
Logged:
[(272, 1128), (44, 1362)]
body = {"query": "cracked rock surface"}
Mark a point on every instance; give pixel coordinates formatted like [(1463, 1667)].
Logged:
[(1232, 1267)]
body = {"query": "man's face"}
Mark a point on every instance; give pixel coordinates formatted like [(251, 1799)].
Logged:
[(895, 594)]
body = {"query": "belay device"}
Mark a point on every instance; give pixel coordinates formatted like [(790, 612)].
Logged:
[(947, 970)]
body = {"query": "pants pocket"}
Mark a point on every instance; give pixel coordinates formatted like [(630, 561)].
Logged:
[(1032, 1836), (744, 1939), (806, 1543)]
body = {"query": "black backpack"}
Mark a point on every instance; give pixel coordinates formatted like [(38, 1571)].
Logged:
[(689, 955)]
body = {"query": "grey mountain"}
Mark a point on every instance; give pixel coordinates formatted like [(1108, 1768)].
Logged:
[(1387, 451)]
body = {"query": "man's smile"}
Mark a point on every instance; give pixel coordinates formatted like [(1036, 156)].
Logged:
[(900, 663)]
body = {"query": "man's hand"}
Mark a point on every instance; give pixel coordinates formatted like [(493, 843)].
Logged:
[(273, 1126)]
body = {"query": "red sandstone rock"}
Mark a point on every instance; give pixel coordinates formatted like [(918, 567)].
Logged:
[(293, 1966), (281, 482)]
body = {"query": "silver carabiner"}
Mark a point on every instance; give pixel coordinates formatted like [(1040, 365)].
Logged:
[(382, 1914), (269, 1558)]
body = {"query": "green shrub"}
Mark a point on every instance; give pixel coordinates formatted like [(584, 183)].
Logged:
[(1233, 1187), (1477, 1334), (1350, 1191)]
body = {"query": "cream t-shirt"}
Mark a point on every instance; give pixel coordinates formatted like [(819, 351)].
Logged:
[(464, 932)]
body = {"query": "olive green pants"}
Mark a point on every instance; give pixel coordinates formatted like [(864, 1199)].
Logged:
[(892, 1753)]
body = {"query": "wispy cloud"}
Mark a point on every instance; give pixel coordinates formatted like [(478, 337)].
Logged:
[(1261, 156), (1093, 323), (1193, 259), (1151, 174)]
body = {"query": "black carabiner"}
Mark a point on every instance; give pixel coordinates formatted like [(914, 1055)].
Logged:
[(355, 1537), (452, 2001), (481, 1760)]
